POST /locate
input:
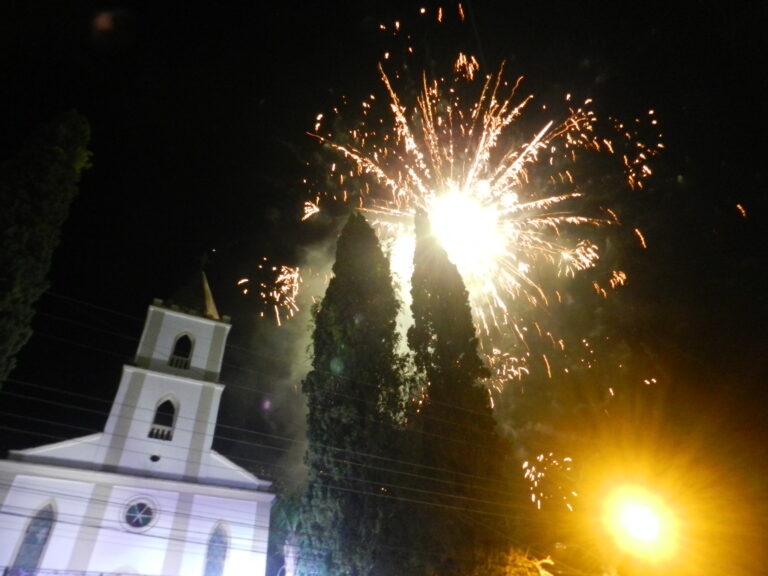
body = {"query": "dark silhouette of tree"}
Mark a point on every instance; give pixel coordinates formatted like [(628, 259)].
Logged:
[(353, 395), (37, 188), (467, 527)]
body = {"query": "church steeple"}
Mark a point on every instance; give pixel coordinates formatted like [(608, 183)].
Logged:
[(186, 335), (164, 415), (149, 494)]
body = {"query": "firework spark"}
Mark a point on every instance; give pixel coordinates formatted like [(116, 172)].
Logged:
[(277, 287), (549, 469), (504, 367)]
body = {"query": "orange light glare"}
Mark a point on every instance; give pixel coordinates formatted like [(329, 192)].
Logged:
[(641, 523)]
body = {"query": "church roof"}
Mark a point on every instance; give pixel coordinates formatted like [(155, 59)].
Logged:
[(195, 297)]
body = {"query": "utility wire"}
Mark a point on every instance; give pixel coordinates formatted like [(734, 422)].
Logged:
[(365, 456), (255, 444), (255, 354)]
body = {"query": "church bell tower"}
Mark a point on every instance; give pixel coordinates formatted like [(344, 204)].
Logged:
[(164, 415)]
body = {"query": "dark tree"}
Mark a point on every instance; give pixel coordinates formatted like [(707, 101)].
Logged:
[(353, 395), (465, 528), (37, 188)]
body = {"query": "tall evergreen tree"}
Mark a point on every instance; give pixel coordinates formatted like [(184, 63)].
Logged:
[(463, 530), (37, 188), (352, 394)]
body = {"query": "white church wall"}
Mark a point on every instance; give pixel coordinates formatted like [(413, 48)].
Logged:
[(144, 549), (27, 495), (245, 554), (90, 532)]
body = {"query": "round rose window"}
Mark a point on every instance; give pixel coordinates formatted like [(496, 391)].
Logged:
[(139, 514)]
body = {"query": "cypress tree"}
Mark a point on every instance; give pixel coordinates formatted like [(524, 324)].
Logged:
[(463, 529), (37, 188), (352, 394)]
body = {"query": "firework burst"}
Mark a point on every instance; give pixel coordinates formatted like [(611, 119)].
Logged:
[(502, 192), (518, 193)]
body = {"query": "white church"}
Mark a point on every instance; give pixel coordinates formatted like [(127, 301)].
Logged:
[(147, 495)]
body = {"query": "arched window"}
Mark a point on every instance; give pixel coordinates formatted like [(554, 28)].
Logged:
[(216, 554), (30, 553), (165, 419), (182, 352)]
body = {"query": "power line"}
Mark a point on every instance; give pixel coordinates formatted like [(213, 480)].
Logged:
[(253, 444), (96, 522), (435, 474), (330, 392), (252, 353), (356, 398), (436, 479), (366, 456), (92, 305), (410, 495)]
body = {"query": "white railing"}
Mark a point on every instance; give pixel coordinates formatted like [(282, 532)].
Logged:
[(161, 432), (178, 362)]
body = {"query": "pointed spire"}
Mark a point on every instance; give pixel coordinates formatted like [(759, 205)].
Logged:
[(210, 306), (196, 298)]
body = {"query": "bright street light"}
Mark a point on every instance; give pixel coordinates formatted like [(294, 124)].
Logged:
[(640, 523)]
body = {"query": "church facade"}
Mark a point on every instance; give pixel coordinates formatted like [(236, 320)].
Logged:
[(148, 495)]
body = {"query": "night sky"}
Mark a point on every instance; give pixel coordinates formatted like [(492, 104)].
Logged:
[(199, 119)]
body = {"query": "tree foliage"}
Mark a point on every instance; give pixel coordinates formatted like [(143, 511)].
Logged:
[(284, 525), (37, 188), (353, 394), (467, 521)]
